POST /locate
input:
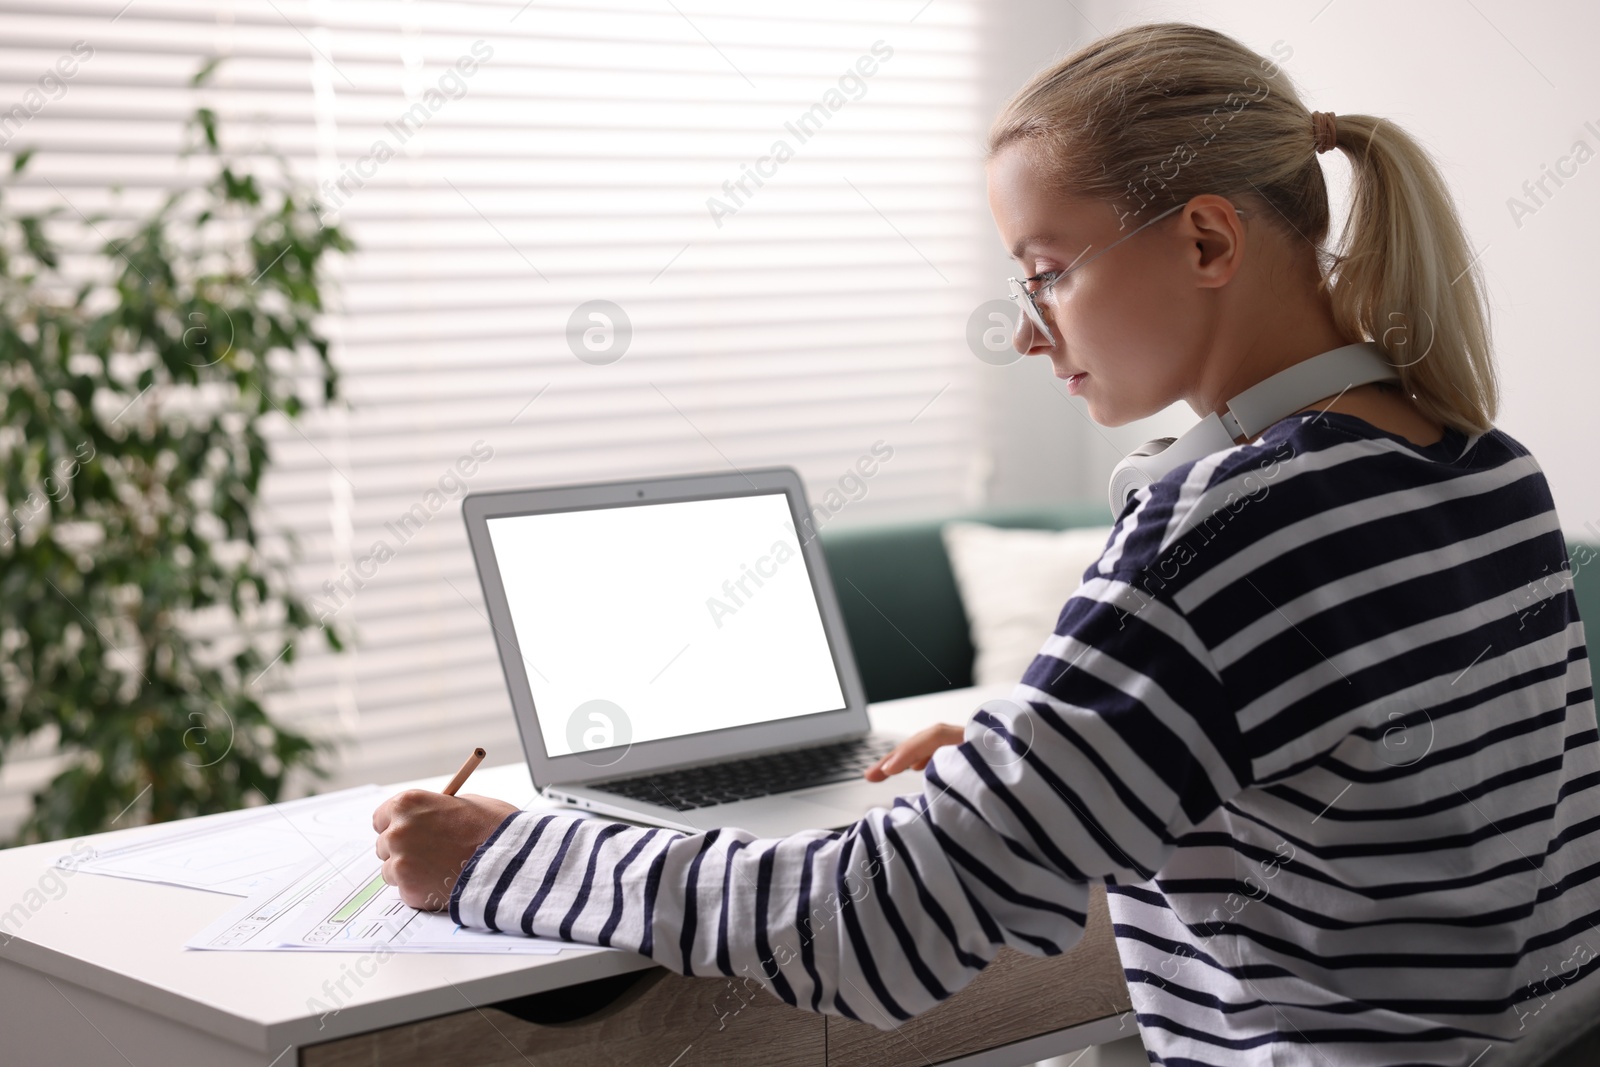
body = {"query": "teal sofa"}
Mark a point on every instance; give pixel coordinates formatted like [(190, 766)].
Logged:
[(903, 611)]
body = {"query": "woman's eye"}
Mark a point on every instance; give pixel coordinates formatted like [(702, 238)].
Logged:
[(1042, 279)]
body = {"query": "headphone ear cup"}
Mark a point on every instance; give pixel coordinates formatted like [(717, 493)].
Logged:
[(1129, 477), (1155, 447)]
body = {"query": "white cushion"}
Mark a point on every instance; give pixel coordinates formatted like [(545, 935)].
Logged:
[(1013, 585)]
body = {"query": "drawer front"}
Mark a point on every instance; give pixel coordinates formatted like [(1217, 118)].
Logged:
[(1016, 997), (661, 1019)]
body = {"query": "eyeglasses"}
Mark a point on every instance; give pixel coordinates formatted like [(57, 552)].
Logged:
[(1028, 298)]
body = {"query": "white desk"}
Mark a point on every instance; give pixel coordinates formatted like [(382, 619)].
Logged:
[(99, 975)]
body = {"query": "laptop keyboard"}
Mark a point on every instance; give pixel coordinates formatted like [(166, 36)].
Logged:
[(753, 776)]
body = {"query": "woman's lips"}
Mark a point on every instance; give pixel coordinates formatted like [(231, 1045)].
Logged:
[(1075, 382)]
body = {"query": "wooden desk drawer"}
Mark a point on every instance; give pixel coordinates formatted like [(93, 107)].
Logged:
[(1016, 997), (660, 1018)]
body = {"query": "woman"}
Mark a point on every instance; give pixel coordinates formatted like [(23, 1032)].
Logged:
[(1319, 717)]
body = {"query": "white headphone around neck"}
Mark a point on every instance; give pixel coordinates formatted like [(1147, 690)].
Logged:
[(1250, 412)]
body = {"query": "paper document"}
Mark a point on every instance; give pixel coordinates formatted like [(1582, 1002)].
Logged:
[(343, 904), (242, 851)]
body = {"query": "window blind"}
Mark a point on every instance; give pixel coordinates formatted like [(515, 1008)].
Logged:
[(778, 210)]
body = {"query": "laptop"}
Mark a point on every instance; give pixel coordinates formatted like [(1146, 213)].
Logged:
[(675, 654)]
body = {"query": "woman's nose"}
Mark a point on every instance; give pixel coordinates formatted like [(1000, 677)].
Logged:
[(1027, 338)]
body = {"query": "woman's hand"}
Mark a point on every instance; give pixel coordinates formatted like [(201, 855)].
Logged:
[(425, 840), (915, 751)]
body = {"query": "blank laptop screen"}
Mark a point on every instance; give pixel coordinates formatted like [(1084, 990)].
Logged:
[(649, 621)]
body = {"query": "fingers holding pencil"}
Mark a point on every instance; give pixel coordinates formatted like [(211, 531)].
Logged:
[(386, 811), (424, 839)]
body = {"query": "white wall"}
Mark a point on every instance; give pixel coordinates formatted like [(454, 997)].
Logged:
[(1496, 90), (1041, 443)]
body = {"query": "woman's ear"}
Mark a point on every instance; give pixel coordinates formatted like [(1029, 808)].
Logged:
[(1214, 237)]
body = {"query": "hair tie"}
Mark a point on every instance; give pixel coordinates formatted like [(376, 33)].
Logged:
[(1324, 131)]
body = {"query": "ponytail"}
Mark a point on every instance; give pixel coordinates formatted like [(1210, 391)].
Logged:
[(1154, 115), (1405, 276)]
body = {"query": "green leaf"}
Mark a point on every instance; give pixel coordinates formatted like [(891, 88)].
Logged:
[(203, 75), (208, 124), (37, 244)]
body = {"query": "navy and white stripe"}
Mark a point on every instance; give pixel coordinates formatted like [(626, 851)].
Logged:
[(1321, 718)]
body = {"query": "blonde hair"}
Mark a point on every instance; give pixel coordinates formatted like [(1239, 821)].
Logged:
[(1151, 116)]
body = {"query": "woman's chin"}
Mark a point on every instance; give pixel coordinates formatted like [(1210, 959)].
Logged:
[(1107, 415)]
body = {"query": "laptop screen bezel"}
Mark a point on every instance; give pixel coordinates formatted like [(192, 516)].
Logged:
[(643, 757)]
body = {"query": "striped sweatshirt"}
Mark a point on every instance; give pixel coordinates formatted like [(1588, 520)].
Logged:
[(1320, 718)]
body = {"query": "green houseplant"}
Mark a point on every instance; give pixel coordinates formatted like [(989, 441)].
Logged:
[(141, 606)]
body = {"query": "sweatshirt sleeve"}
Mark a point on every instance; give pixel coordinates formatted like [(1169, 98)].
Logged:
[(1109, 749)]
